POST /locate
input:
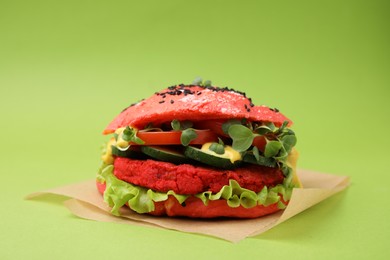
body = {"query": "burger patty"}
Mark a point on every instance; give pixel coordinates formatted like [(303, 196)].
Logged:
[(190, 179)]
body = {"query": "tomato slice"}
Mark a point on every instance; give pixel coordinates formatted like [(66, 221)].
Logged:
[(173, 137), (216, 127)]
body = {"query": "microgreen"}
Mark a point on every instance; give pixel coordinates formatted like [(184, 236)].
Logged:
[(242, 137), (279, 141), (199, 82), (272, 148), (187, 136), (175, 124), (289, 142), (256, 153), (207, 83), (217, 148), (150, 128), (281, 129), (261, 159), (181, 125), (130, 135), (263, 130), (227, 124)]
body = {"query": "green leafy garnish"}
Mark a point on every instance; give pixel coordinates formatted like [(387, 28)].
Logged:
[(150, 128), (199, 82), (181, 125), (187, 136), (256, 153), (289, 141), (279, 142), (130, 135), (217, 148), (281, 129), (242, 137), (263, 130), (272, 148), (207, 83), (227, 124), (175, 124), (259, 158)]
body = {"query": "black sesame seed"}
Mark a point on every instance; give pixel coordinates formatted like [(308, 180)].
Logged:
[(172, 101), (186, 90), (162, 101)]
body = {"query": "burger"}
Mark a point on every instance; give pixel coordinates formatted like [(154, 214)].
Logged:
[(199, 151)]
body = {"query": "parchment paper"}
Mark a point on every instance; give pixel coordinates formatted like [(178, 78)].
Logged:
[(87, 203)]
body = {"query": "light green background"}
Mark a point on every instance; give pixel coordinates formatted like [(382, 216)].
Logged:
[(68, 67)]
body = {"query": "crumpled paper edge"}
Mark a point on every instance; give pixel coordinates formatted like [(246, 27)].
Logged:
[(87, 203)]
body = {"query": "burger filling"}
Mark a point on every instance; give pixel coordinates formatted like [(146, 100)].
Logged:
[(245, 163)]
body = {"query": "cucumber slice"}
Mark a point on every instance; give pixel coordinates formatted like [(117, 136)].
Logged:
[(165, 154), (132, 152), (209, 159), (250, 158)]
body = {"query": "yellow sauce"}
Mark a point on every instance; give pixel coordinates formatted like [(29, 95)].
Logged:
[(120, 142), (107, 157), (230, 153)]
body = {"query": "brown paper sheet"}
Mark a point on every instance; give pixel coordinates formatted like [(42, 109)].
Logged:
[(87, 203)]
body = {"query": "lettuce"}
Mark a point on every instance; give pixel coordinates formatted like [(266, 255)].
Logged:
[(141, 200)]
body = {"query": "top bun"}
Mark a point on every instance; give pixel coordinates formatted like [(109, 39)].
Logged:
[(194, 103)]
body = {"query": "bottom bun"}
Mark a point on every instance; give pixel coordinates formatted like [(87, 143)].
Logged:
[(195, 208)]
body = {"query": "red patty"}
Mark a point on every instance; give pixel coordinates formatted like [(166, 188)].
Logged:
[(189, 179)]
